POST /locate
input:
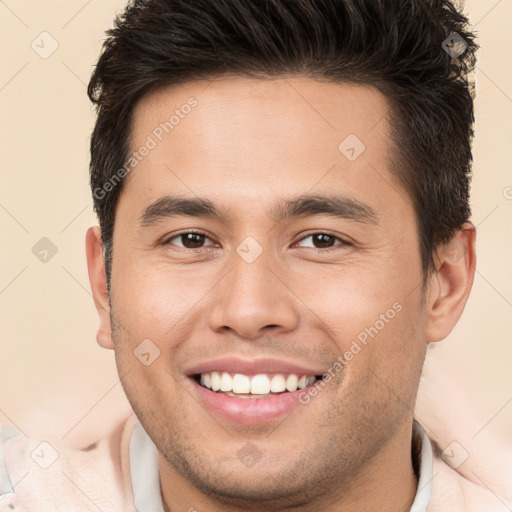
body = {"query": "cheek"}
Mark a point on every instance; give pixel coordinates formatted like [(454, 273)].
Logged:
[(153, 301), (372, 319), (347, 301)]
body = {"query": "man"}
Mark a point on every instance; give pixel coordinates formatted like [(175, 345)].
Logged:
[(282, 192)]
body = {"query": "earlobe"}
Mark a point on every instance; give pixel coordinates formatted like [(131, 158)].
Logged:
[(451, 283), (98, 281)]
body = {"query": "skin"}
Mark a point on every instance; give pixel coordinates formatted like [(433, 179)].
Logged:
[(247, 145)]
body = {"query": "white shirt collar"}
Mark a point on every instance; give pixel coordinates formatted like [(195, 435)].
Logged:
[(144, 472), (146, 479), (426, 470)]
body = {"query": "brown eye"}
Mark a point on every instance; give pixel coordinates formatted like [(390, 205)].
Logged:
[(189, 240), (323, 241)]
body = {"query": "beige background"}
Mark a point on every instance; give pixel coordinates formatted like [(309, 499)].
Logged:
[(55, 382)]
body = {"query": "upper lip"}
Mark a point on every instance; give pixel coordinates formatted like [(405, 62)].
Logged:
[(254, 366)]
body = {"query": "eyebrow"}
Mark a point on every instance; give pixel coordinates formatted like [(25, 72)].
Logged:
[(344, 207)]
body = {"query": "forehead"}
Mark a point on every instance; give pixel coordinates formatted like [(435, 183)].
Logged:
[(264, 108), (246, 139)]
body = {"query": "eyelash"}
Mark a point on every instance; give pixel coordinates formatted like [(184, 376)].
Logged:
[(198, 232)]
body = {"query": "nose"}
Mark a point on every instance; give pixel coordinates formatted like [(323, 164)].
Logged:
[(253, 298)]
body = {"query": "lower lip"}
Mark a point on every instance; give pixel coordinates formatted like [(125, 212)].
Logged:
[(249, 411)]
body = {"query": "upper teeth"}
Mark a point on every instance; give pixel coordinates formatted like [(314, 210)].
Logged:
[(260, 384)]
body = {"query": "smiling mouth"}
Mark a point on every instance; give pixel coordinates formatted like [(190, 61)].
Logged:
[(261, 385)]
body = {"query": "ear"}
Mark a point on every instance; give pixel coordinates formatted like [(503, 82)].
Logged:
[(451, 283), (98, 280)]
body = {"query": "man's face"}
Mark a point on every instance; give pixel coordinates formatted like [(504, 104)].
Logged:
[(259, 292)]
